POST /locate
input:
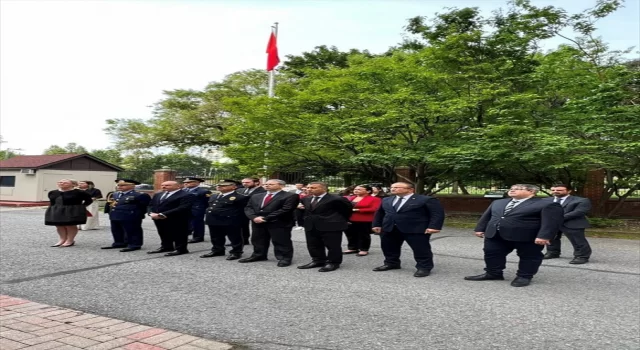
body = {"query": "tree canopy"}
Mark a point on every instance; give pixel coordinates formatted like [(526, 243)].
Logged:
[(464, 96)]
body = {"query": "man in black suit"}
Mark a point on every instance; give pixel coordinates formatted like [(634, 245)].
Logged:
[(299, 213), (406, 216), (250, 186), (524, 223), (225, 216), (199, 207), (171, 212), (575, 222), (325, 217), (271, 215)]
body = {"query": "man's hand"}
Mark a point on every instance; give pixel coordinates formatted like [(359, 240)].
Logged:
[(540, 241), (156, 216), (479, 234), (377, 230), (259, 220), (430, 231)]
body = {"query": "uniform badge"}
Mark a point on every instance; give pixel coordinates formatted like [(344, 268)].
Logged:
[(232, 198)]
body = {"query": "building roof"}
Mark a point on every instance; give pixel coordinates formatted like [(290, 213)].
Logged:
[(37, 162)]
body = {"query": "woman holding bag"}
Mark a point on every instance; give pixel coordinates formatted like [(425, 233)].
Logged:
[(92, 221), (67, 210)]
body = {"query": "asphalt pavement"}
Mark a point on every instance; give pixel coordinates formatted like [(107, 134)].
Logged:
[(261, 306)]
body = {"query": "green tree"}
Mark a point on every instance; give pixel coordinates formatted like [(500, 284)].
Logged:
[(71, 147), (112, 156)]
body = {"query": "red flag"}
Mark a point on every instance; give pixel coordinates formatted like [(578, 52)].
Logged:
[(272, 53)]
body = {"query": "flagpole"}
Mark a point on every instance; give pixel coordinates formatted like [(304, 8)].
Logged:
[(272, 73), (271, 94)]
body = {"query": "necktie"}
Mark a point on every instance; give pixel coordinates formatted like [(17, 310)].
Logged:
[(164, 196), (314, 202), (219, 196), (509, 207), (267, 199), (398, 202), (246, 191), (558, 200)]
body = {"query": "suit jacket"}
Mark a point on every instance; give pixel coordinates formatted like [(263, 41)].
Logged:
[(575, 212), (176, 208), (277, 213), (131, 206), (531, 219), (331, 213), (258, 190), (415, 216), (367, 208), (227, 211), (201, 200)]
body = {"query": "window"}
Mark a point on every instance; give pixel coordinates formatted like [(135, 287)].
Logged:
[(7, 181)]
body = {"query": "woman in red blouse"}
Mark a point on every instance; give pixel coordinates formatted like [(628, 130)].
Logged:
[(359, 231)]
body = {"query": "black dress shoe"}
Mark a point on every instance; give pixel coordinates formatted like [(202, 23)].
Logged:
[(550, 256), (233, 257), (177, 252), (111, 247), (195, 240), (160, 250), (129, 250), (484, 277), (520, 282), (386, 268), (422, 273), (284, 263), (212, 254), (312, 265), (252, 259), (329, 267), (579, 261)]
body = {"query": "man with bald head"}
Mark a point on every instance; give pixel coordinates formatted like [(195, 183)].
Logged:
[(171, 213)]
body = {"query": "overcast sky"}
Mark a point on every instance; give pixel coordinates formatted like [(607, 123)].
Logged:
[(67, 66)]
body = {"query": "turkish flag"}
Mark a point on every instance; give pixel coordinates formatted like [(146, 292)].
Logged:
[(272, 53)]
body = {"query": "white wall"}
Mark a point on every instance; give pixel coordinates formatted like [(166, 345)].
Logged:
[(104, 180), (24, 190), (34, 188)]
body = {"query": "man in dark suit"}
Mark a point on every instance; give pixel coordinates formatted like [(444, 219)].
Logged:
[(575, 222), (271, 215), (199, 207), (250, 186), (225, 216), (406, 216), (171, 213), (325, 217), (127, 209), (524, 223)]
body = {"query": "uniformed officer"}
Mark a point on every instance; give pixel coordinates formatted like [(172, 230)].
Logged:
[(127, 210), (192, 185), (225, 216)]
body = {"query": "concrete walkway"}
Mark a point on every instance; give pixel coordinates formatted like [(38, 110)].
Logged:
[(33, 326)]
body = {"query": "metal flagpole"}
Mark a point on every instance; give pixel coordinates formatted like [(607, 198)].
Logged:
[(272, 73), (271, 94)]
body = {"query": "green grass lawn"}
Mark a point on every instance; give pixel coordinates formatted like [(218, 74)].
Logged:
[(623, 229)]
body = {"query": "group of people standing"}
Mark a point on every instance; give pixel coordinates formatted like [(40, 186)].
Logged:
[(525, 222)]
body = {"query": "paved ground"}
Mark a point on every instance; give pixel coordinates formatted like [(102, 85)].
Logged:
[(261, 306), (34, 326)]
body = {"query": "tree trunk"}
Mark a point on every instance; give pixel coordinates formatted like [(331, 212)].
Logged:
[(621, 200)]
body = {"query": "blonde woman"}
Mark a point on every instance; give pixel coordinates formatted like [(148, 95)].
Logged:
[(66, 211), (92, 221)]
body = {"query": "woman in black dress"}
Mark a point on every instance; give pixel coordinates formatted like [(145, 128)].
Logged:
[(67, 210)]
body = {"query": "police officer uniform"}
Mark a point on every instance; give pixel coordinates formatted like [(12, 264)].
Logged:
[(224, 217), (198, 209), (126, 212)]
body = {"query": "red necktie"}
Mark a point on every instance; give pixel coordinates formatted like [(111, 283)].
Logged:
[(267, 199)]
